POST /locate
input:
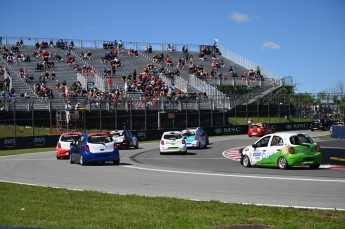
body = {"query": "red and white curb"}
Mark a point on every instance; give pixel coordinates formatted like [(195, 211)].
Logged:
[(233, 154)]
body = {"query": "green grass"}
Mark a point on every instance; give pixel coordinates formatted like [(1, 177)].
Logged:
[(24, 151), (43, 207)]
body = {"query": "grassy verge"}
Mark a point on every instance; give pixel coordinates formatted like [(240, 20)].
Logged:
[(23, 151), (43, 207)]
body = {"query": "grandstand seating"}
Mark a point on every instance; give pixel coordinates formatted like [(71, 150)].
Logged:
[(67, 73)]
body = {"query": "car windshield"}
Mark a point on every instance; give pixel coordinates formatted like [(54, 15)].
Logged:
[(172, 136), (117, 134), (69, 138), (255, 126), (99, 139), (189, 133), (301, 139)]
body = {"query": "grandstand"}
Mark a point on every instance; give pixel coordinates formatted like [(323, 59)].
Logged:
[(190, 85)]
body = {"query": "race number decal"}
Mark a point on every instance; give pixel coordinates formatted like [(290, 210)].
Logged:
[(285, 150)]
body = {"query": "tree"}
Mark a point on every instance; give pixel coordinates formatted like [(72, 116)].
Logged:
[(338, 89)]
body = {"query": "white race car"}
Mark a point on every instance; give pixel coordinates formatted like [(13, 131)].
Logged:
[(172, 142)]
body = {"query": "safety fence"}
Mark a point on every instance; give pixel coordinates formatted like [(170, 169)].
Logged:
[(138, 112)]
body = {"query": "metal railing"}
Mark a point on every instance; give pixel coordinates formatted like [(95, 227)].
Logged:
[(142, 113)]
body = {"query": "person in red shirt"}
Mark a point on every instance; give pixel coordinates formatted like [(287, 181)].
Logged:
[(110, 83)]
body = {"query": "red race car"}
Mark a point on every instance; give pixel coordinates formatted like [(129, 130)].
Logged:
[(64, 144), (260, 129)]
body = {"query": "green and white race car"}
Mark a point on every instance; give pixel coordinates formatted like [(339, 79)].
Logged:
[(282, 150)]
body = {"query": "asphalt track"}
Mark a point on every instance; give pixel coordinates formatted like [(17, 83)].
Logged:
[(202, 174)]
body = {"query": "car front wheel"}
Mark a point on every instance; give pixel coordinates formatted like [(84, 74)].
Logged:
[(246, 161), (81, 160), (282, 163), (314, 166)]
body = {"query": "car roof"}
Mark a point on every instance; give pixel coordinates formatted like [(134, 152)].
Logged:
[(116, 131), (189, 129), (287, 134), (71, 133), (172, 132), (97, 134)]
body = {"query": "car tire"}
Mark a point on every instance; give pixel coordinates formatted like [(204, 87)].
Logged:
[(136, 145), (312, 129), (282, 163), (71, 160), (58, 158), (81, 160), (199, 145), (246, 161), (314, 166), (116, 162)]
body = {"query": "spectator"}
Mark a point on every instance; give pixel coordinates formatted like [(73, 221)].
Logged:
[(7, 84), (148, 49), (258, 71), (110, 83), (53, 75)]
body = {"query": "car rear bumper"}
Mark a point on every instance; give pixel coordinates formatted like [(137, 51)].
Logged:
[(192, 144), (306, 159), (173, 149), (94, 157), (62, 152)]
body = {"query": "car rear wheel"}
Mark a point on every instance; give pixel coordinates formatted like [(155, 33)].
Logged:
[(136, 145), (282, 163), (116, 162), (314, 166), (71, 160), (246, 161), (57, 157), (81, 160)]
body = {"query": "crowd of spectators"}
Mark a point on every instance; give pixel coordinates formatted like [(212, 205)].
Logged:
[(147, 83)]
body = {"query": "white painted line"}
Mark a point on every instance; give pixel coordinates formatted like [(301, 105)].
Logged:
[(236, 176)]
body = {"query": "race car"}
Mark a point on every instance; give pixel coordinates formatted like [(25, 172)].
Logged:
[(194, 138), (63, 146), (172, 142), (260, 129), (94, 147), (282, 150)]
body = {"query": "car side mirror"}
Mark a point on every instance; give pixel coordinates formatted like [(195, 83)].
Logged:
[(254, 146)]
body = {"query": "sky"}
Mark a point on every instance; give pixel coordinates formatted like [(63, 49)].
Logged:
[(304, 39)]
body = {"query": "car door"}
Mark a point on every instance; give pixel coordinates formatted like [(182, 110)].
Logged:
[(275, 145), (78, 148), (259, 153)]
